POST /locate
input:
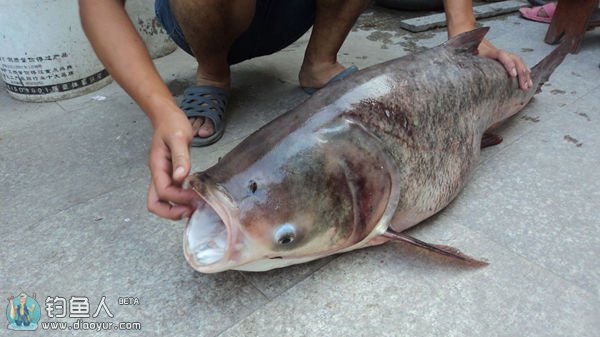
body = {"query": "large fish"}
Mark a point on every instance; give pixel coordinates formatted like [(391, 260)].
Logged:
[(358, 163)]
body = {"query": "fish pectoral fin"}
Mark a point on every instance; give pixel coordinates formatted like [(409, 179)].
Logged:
[(490, 139), (439, 249)]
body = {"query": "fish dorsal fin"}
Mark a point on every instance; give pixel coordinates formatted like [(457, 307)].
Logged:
[(467, 42), (439, 249)]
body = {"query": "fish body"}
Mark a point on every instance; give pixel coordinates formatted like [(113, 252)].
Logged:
[(357, 163)]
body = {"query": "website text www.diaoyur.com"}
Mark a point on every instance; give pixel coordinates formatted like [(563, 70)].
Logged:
[(95, 326)]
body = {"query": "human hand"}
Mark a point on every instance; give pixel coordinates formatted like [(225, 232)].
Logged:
[(169, 163), (513, 64)]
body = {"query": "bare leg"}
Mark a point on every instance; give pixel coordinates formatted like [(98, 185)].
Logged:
[(334, 19), (210, 28)]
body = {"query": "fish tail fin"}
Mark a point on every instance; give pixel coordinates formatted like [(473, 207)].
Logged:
[(467, 42), (540, 73)]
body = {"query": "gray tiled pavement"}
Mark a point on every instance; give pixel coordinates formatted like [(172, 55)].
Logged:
[(73, 179)]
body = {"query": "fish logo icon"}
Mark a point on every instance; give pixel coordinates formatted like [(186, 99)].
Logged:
[(23, 312)]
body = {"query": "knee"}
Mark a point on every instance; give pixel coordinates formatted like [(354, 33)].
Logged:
[(232, 16), (197, 11), (202, 4)]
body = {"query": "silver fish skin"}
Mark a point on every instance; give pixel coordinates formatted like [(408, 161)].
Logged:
[(357, 163)]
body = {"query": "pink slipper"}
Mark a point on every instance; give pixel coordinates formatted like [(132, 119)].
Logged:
[(533, 12)]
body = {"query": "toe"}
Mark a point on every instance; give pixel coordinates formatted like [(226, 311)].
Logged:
[(202, 127), (206, 129), (196, 124)]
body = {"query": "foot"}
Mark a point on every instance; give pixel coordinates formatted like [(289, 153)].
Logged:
[(203, 127), (317, 75), (542, 12), (209, 104)]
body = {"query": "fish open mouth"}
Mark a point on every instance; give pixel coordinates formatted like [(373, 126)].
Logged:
[(206, 237)]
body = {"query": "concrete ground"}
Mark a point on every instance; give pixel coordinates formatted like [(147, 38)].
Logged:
[(73, 217)]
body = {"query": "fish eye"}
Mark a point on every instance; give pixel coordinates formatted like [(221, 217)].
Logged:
[(252, 186), (286, 239), (285, 234)]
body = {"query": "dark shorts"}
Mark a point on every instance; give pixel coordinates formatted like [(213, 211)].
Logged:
[(276, 25)]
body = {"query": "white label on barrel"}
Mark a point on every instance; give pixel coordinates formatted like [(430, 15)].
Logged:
[(32, 75)]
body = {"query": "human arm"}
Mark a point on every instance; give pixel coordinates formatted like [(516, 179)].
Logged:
[(123, 53), (13, 310), (460, 17)]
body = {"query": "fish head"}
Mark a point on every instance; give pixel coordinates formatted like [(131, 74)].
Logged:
[(294, 202)]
